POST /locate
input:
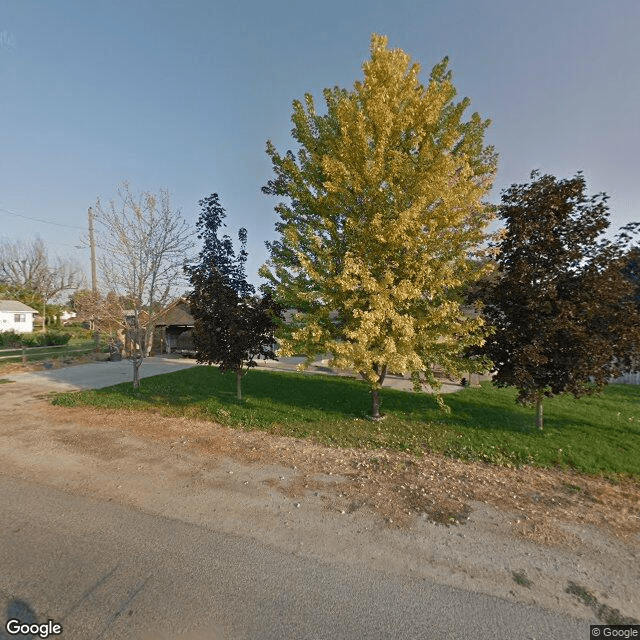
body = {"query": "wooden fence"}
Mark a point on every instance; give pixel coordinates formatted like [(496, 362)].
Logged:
[(24, 354)]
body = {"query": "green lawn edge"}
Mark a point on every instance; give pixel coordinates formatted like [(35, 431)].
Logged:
[(596, 435)]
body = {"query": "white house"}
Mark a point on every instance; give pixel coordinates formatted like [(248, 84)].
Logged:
[(67, 315), (16, 316)]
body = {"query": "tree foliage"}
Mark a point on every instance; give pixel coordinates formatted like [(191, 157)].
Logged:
[(219, 251), (232, 326), (561, 305), (22, 294), (143, 244), (631, 271), (385, 209)]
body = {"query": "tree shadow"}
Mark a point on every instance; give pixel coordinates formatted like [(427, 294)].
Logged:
[(339, 396), (18, 610), (22, 611)]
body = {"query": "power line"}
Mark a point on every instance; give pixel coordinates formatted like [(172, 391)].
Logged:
[(64, 244), (58, 224)]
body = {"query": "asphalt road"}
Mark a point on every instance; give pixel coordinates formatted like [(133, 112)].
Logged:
[(107, 572)]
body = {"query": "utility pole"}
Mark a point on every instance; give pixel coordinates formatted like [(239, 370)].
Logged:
[(94, 278), (92, 244)]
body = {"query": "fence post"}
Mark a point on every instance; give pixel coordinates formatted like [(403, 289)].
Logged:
[(24, 356)]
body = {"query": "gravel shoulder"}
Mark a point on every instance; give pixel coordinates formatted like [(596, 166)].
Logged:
[(566, 542)]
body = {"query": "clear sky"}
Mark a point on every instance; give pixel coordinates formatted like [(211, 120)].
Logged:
[(183, 94)]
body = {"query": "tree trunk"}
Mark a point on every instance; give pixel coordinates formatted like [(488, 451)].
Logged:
[(382, 373), (375, 404), (239, 383), (375, 391), (539, 420), (137, 361), (148, 345)]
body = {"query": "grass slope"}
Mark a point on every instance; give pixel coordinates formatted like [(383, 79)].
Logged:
[(596, 435)]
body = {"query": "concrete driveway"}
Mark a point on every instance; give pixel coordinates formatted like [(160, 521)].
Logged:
[(96, 375)]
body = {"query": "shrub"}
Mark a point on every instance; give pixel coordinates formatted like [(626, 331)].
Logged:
[(9, 339), (32, 339), (37, 339), (56, 337), (77, 330)]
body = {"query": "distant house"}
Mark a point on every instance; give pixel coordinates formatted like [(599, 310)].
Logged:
[(16, 316), (68, 316)]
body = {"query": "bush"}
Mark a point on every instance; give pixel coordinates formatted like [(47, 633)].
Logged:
[(77, 330), (12, 340), (56, 337), (9, 339), (32, 339)]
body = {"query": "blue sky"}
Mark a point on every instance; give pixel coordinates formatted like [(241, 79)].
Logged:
[(183, 94)]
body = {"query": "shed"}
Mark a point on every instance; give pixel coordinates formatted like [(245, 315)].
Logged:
[(173, 329)]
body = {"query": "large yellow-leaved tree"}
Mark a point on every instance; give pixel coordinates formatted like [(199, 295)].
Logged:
[(383, 218)]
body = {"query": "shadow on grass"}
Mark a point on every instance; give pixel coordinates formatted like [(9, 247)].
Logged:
[(338, 397), (331, 398)]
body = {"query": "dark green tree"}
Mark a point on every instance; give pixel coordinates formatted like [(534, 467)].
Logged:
[(562, 309), (219, 251), (232, 325)]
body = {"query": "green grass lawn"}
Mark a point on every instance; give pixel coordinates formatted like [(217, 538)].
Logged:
[(596, 435)]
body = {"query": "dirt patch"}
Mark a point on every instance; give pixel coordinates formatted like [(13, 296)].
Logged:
[(398, 486)]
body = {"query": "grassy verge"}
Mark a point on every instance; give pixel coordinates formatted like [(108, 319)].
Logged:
[(596, 435)]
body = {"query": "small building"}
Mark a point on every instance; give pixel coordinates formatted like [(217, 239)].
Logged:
[(174, 329), (66, 317), (16, 316)]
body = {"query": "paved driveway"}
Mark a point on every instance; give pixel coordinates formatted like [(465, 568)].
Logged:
[(320, 365), (96, 375)]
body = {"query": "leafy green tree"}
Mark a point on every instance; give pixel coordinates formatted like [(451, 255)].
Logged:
[(232, 326), (561, 305), (384, 211)]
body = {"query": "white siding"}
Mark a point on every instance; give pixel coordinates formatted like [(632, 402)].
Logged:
[(8, 321)]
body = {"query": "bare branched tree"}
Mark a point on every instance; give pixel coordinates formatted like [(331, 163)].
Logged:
[(143, 245), (28, 266)]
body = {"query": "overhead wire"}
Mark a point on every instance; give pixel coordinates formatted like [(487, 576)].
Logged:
[(58, 224)]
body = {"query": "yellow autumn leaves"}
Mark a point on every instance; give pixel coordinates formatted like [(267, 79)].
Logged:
[(384, 220)]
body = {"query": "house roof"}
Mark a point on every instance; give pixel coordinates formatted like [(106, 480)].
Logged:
[(177, 314), (15, 306)]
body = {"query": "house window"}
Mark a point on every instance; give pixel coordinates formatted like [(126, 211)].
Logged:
[(20, 317)]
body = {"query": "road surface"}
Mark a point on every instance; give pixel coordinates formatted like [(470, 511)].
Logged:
[(107, 572)]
